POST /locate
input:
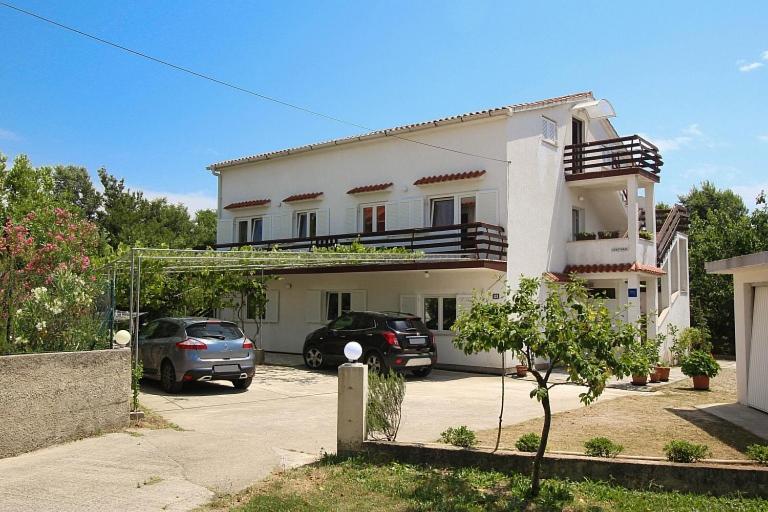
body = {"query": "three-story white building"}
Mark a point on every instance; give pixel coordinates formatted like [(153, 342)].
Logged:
[(544, 188)]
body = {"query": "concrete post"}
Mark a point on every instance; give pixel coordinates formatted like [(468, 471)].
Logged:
[(633, 303), (632, 217), (652, 307), (353, 400)]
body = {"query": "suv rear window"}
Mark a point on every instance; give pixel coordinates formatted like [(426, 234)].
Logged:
[(407, 324), (215, 330)]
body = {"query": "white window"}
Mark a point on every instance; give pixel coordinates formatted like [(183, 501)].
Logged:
[(336, 303), (439, 313), (242, 231), (441, 211), (306, 224), (548, 130), (257, 229), (249, 230), (374, 217)]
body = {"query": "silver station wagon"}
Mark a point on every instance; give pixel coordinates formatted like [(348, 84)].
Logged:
[(179, 350)]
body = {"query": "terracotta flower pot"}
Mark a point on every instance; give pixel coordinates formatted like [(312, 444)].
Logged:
[(639, 380), (654, 377), (701, 382), (521, 370), (663, 373)]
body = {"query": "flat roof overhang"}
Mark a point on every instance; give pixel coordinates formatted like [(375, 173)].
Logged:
[(494, 265), (610, 177), (754, 261)]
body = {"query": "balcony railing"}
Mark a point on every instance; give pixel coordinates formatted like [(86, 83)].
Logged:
[(475, 240), (609, 251), (632, 152)]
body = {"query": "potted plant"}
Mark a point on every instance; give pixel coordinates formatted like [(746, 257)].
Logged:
[(521, 370), (700, 366), (662, 370), (608, 234), (638, 364), (585, 236), (645, 235)]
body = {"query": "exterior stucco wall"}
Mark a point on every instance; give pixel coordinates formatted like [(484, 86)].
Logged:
[(743, 295), (52, 398)]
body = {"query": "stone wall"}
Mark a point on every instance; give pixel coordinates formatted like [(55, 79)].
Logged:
[(51, 398), (698, 478)]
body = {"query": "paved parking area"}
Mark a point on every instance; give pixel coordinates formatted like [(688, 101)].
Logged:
[(233, 438)]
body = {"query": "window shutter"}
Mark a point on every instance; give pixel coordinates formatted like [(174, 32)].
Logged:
[(225, 230), (390, 216), (350, 223), (417, 213), (312, 306), (358, 302), (323, 222), (272, 311), (403, 215), (266, 227), (486, 207), (409, 304), (281, 226)]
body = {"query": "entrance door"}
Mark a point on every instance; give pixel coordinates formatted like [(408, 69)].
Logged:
[(757, 392)]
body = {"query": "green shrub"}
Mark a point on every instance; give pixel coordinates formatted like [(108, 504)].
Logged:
[(683, 451), (136, 374), (585, 236), (385, 404), (689, 340), (602, 447), (528, 442), (700, 363), (759, 453), (554, 495), (459, 436), (645, 235)]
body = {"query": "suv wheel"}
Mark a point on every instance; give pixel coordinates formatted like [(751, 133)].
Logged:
[(313, 358), (168, 378), (422, 372), (375, 362)]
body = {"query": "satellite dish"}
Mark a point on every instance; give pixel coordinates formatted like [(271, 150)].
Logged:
[(122, 337), (353, 351)]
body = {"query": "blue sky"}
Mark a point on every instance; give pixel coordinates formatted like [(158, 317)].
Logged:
[(691, 76)]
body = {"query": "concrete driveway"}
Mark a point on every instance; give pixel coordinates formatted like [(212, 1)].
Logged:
[(232, 438)]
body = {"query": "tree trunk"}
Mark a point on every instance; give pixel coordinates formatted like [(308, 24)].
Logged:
[(501, 411), (536, 472)]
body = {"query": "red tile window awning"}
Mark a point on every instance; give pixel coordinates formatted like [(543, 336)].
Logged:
[(613, 267), (442, 178), (302, 197), (370, 188), (248, 204)]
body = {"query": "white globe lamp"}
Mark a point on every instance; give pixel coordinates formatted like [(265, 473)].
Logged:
[(353, 351), (122, 338)]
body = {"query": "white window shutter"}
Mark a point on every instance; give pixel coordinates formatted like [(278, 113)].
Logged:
[(357, 300), (281, 226), (323, 222), (266, 227), (390, 216), (409, 304), (417, 213), (487, 207), (313, 306), (350, 222), (225, 231), (272, 311), (403, 215)]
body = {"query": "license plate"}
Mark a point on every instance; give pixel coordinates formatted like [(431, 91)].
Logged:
[(419, 361), (226, 368), (420, 340)]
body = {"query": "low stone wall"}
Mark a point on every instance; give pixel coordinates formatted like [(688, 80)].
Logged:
[(50, 398), (711, 479)]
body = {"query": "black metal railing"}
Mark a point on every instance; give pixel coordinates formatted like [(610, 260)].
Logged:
[(632, 152), (474, 240)]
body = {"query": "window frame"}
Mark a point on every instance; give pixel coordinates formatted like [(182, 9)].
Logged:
[(311, 215), (339, 304), (441, 328), (547, 123), (374, 217)]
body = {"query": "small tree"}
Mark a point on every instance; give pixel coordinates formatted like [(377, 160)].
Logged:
[(568, 328)]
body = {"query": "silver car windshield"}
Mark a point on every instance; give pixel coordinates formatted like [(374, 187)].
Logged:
[(214, 330)]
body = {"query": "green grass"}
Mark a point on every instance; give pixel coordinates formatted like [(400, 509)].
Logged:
[(358, 485)]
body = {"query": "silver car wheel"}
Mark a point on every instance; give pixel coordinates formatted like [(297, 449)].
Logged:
[(314, 358), (374, 363)]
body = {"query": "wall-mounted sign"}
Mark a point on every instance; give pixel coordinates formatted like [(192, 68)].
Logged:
[(632, 292), (496, 296)]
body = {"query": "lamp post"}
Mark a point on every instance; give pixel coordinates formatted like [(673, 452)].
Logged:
[(352, 401)]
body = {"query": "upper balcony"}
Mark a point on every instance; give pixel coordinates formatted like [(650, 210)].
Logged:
[(465, 245), (611, 159), (610, 251)]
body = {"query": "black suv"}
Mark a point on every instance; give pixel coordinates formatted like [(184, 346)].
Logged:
[(390, 340)]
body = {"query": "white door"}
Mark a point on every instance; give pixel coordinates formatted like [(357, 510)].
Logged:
[(757, 392)]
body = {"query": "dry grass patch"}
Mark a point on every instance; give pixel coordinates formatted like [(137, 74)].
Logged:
[(643, 424), (153, 421)]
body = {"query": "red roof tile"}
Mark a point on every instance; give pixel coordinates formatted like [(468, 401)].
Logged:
[(613, 267), (556, 277), (370, 188), (248, 204), (440, 178), (302, 197)]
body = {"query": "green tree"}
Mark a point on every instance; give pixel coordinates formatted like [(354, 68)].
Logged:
[(204, 229), (73, 186), (568, 328)]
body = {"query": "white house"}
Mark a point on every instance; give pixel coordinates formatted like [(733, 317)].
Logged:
[(750, 304), (503, 192)]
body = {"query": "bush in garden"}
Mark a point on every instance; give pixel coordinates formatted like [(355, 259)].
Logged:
[(528, 442), (684, 451), (602, 447), (459, 436), (700, 363), (689, 340), (759, 453), (385, 403)]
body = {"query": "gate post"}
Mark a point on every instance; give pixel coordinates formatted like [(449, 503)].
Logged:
[(353, 401)]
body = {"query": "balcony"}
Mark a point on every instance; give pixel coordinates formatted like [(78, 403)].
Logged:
[(609, 251), (612, 158), (464, 245)]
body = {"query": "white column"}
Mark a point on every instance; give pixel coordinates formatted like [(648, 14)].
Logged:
[(652, 305), (633, 303), (632, 217), (352, 400), (650, 213)]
